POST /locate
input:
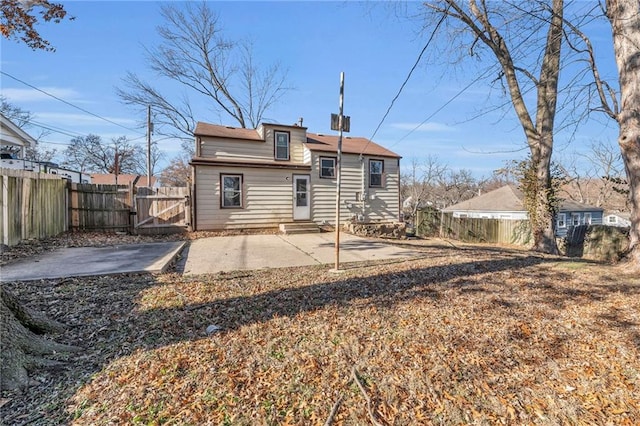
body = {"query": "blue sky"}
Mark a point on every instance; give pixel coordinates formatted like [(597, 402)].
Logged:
[(314, 42)]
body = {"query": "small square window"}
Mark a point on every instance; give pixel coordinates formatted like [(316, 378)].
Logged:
[(231, 191), (376, 167), (327, 167), (281, 145)]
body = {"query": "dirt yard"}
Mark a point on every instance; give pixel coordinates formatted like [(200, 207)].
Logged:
[(465, 335)]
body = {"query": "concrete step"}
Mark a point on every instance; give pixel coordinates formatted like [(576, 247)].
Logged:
[(299, 228)]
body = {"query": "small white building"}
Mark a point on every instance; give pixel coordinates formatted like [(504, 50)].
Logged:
[(507, 203), (621, 219)]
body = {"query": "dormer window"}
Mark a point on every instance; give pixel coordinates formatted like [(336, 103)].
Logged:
[(281, 145)]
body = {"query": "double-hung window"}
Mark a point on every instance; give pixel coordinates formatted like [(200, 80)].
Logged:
[(376, 168), (562, 220), (575, 219), (587, 218), (281, 145), (231, 191), (328, 167)]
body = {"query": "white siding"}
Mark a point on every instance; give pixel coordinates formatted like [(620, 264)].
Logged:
[(267, 198), (514, 215), (383, 206)]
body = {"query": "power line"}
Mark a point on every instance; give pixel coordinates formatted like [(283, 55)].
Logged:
[(51, 128), (69, 103), (406, 80), (443, 106)]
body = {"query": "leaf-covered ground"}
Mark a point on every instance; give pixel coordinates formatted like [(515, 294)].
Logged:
[(463, 335)]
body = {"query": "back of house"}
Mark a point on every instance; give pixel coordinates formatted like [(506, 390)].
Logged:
[(275, 174)]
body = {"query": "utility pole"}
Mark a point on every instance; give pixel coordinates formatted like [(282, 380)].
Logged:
[(338, 167), (149, 129)]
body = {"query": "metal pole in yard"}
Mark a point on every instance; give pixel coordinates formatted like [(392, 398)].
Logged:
[(149, 146), (338, 167)]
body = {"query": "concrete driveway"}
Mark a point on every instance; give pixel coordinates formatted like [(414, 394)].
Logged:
[(86, 261), (217, 254), (203, 256)]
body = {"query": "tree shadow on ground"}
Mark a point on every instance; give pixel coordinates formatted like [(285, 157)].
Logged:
[(105, 320)]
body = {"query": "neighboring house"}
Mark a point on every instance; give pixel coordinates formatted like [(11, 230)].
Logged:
[(123, 179), (622, 219), (507, 203), (275, 174), (14, 141)]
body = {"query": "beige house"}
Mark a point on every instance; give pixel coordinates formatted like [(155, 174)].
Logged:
[(275, 174)]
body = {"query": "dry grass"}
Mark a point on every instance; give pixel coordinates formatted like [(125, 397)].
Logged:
[(463, 336)]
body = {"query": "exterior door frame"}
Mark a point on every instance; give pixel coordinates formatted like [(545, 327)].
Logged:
[(301, 199)]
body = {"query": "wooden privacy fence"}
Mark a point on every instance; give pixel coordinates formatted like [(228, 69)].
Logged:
[(129, 209), (162, 210), (39, 205), (34, 205), (474, 230), (99, 207)]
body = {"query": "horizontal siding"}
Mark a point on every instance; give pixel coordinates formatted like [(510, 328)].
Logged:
[(383, 207), (384, 204), (267, 198), (235, 149)]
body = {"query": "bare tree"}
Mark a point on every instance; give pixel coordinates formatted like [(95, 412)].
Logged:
[(22, 118), (194, 54), (591, 176), (457, 186), (420, 186), (494, 25), (20, 17), (177, 173), (624, 16), (89, 154), (18, 116)]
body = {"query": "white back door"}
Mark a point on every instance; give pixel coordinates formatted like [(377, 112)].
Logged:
[(301, 197)]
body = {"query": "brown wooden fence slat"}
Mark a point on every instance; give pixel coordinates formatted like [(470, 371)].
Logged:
[(33, 206), (473, 230), (99, 207)]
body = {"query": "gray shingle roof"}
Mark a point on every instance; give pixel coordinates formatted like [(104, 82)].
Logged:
[(509, 199)]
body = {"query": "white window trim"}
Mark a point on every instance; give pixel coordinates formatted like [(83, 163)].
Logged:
[(575, 219), (587, 219), (562, 220), (222, 191), (381, 173), (332, 159), (275, 145)]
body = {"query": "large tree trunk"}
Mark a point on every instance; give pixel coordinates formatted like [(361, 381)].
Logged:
[(624, 16), (23, 349), (541, 214), (542, 147)]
